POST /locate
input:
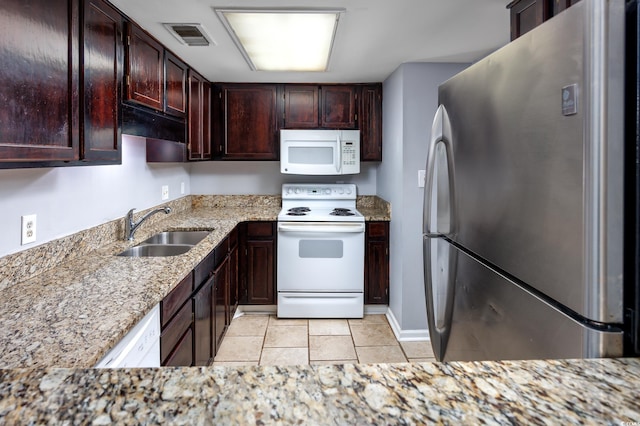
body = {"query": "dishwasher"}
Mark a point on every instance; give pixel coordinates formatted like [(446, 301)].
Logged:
[(139, 348)]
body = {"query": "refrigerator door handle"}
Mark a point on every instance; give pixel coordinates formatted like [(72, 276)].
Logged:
[(439, 213), (440, 259)]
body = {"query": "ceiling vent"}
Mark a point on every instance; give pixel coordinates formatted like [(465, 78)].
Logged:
[(190, 34)]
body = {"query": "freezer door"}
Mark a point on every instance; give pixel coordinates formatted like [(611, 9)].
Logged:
[(536, 131), (492, 319)]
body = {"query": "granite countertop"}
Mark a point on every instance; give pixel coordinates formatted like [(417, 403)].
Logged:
[(57, 323), (71, 314), (565, 392)]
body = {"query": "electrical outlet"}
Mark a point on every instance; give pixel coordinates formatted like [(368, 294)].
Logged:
[(421, 177), (165, 192), (182, 188), (28, 229)]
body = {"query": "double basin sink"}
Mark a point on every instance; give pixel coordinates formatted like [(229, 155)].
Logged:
[(169, 243)]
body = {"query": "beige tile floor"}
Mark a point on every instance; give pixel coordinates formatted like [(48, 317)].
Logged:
[(254, 339)]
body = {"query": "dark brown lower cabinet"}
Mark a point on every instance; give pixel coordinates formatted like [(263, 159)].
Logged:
[(234, 256), (259, 263), (176, 339), (219, 302), (203, 346), (376, 274)]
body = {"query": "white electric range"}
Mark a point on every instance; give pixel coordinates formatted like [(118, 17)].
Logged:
[(320, 252)]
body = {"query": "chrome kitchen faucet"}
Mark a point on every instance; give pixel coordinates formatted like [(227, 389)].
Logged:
[(130, 227)]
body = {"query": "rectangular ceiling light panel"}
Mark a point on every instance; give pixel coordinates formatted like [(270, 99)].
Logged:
[(283, 40)]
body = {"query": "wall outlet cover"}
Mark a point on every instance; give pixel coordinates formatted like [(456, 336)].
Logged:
[(28, 229), (165, 192)]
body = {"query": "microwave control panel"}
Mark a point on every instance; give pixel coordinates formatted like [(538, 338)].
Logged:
[(350, 157)]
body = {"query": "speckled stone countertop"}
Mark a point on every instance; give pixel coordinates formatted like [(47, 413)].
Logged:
[(66, 303), (569, 392)]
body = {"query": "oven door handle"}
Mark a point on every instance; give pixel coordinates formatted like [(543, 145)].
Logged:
[(318, 228)]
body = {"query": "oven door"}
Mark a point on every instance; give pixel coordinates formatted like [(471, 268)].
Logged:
[(320, 257)]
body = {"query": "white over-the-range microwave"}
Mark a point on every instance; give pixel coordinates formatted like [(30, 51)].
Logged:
[(320, 152)]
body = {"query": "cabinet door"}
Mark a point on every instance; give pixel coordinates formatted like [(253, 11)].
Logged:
[(233, 282), (199, 121), (39, 86), (300, 106), (338, 107), (560, 5), (220, 302), (250, 122), (103, 57), (175, 78), (376, 277), (203, 324), (260, 272), (371, 122), (144, 69), (526, 15)]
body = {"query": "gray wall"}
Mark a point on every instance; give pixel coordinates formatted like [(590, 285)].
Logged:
[(70, 199), (263, 177), (410, 99)]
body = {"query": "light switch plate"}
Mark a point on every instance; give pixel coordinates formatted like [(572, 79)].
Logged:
[(421, 177), (28, 229)]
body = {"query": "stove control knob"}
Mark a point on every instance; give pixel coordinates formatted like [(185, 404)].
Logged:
[(349, 191), (327, 191), (298, 190), (340, 191)]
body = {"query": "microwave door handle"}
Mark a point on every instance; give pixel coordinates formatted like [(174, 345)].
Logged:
[(339, 164)]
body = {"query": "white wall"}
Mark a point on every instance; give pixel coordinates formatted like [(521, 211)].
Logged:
[(264, 178), (410, 99), (70, 199)]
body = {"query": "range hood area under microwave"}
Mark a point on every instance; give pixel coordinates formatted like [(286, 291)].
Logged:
[(319, 152)]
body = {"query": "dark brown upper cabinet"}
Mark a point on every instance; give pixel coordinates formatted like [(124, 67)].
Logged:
[(528, 14), (144, 69), (338, 106), (175, 72), (370, 122), (39, 81), (199, 120), (246, 121), (103, 58), (301, 106), (560, 5)]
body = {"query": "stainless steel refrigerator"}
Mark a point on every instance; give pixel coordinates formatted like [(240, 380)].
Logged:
[(523, 202)]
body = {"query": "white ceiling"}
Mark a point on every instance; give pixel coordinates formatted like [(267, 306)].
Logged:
[(374, 36)]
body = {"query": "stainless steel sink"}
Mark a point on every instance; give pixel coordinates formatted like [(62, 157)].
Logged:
[(177, 237), (150, 250), (169, 243)]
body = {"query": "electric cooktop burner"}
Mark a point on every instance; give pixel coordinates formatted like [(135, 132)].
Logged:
[(342, 212), (298, 211)]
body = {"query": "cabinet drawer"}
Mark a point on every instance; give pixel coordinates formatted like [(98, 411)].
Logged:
[(204, 269), (260, 229), (172, 334), (233, 238), (174, 300), (377, 229), (182, 356), (222, 250)]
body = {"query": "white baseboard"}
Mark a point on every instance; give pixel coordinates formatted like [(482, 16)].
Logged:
[(406, 335)]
